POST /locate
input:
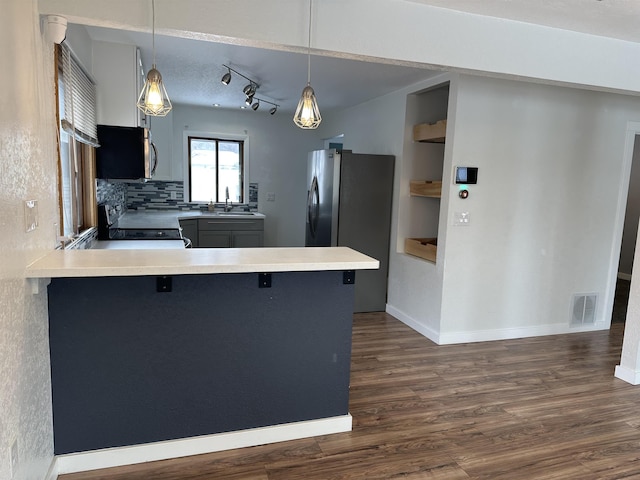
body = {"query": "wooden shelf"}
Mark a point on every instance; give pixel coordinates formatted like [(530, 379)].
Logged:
[(430, 132), (425, 188), (422, 247)]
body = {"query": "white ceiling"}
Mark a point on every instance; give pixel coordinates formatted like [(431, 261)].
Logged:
[(192, 69), (607, 18)]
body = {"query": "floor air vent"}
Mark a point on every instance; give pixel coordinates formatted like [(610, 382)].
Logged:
[(583, 310)]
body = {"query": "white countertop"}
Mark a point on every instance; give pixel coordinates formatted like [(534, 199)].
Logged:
[(110, 263), (169, 219)]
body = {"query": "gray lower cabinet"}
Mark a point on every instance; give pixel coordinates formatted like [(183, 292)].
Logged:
[(214, 239), (247, 239), (190, 230), (230, 233)]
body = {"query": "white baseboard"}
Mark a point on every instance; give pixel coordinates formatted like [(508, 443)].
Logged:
[(471, 336), (628, 375), (423, 330), (115, 457), (52, 473), (450, 338), (624, 276)]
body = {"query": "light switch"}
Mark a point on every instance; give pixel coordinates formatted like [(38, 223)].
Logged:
[(461, 219), (30, 215), (271, 197)]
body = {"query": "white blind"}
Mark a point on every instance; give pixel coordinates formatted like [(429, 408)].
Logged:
[(78, 112)]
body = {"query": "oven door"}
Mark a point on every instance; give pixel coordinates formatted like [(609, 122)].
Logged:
[(147, 234)]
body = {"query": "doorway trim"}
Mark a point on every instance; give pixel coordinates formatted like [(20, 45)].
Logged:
[(627, 373)]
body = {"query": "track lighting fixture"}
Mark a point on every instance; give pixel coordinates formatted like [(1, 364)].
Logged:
[(258, 101), (249, 90), (226, 78)]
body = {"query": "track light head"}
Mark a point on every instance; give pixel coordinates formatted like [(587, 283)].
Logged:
[(273, 110), (249, 100), (226, 78), (256, 105), (250, 89)]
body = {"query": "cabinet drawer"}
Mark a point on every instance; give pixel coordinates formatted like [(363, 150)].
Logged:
[(214, 239), (229, 224), (247, 239)]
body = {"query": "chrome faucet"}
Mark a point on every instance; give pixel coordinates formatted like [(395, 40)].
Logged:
[(227, 207)]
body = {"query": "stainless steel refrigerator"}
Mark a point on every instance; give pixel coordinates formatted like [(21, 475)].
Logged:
[(349, 204)]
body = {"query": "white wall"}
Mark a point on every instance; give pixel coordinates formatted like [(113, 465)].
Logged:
[(27, 171), (80, 43), (393, 29), (384, 125), (543, 215), (277, 161)]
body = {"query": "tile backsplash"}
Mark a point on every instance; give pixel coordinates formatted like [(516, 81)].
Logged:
[(154, 195), (114, 194), (157, 195)]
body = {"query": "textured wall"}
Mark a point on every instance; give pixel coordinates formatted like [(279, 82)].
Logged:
[(27, 172)]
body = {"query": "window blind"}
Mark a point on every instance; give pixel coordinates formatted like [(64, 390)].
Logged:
[(78, 108)]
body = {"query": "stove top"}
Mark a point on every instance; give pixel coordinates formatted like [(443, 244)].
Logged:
[(108, 228)]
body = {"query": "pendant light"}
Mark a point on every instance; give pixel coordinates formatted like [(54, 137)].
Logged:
[(307, 114), (153, 99)]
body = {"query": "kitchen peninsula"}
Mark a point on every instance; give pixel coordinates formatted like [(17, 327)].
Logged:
[(159, 345)]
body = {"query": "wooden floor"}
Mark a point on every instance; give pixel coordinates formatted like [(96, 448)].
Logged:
[(541, 408)]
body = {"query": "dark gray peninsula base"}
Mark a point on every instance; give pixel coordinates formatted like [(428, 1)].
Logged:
[(133, 363)]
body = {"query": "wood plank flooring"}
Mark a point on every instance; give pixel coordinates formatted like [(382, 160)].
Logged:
[(539, 408)]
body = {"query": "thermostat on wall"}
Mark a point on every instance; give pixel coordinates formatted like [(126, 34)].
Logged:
[(466, 175)]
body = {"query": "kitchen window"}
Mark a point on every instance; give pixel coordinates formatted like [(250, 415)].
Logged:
[(216, 169), (77, 141)]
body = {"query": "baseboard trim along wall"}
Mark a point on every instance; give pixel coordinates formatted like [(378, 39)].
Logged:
[(628, 375), (52, 473), (423, 330), (450, 338), (119, 456)]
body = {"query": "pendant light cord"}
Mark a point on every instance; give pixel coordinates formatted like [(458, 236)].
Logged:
[(153, 31), (309, 48)]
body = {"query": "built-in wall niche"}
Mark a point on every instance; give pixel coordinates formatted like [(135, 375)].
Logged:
[(428, 122)]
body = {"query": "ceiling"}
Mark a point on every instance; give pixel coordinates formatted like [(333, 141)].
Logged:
[(192, 69), (607, 18)]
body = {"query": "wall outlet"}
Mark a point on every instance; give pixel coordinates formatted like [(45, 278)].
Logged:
[(30, 215), (14, 458), (461, 219), (174, 195), (271, 197)]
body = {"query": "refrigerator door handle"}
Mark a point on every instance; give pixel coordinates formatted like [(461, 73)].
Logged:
[(313, 207)]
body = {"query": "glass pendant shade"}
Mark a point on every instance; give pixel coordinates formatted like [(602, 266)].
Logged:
[(153, 99), (307, 114)]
